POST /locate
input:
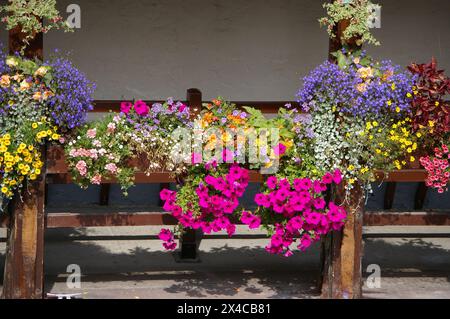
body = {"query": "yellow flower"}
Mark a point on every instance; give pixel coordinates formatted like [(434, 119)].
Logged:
[(33, 177), (288, 143), (389, 103), (437, 103), (351, 181), (351, 167), (393, 86), (34, 125), (4, 190), (419, 135), (409, 95), (431, 123), (397, 109), (412, 159)]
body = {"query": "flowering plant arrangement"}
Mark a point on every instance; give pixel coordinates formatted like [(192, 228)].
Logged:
[(31, 114), (438, 168), (117, 145), (359, 110), (357, 13), (208, 200), (99, 152), (292, 205), (296, 208), (33, 17), (151, 133)]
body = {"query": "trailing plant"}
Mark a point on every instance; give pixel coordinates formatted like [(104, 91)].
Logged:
[(33, 17), (357, 13), (207, 200), (296, 208), (438, 168)]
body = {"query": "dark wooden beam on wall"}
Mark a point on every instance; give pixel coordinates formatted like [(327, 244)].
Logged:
[(24, 263)]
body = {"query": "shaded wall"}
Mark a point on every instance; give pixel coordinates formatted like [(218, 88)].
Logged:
[(247, 50)]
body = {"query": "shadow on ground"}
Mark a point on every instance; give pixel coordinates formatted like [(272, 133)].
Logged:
[(228, 268)]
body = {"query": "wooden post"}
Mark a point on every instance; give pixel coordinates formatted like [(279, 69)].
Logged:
[(341, 251), (389, 195), (190, 240), (24, 264)]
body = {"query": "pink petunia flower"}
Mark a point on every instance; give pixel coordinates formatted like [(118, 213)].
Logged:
[(125, 107), (141, 108)]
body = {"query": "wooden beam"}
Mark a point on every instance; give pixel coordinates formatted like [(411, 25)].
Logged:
[(81, 219), (407, 219), (24, 262), (87, 217)]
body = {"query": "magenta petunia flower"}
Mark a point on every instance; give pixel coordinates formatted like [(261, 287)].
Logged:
[(141, 108), (125, 107), (327, 178), (272, 182), (165, 235), (337, 177)]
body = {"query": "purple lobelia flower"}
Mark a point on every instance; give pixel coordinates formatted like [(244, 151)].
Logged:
[(73, 94)]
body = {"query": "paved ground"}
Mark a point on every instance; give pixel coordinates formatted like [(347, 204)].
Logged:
[(129, 263)]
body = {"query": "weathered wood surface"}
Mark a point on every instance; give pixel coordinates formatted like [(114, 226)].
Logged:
[(342, 250), (24, 263)]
